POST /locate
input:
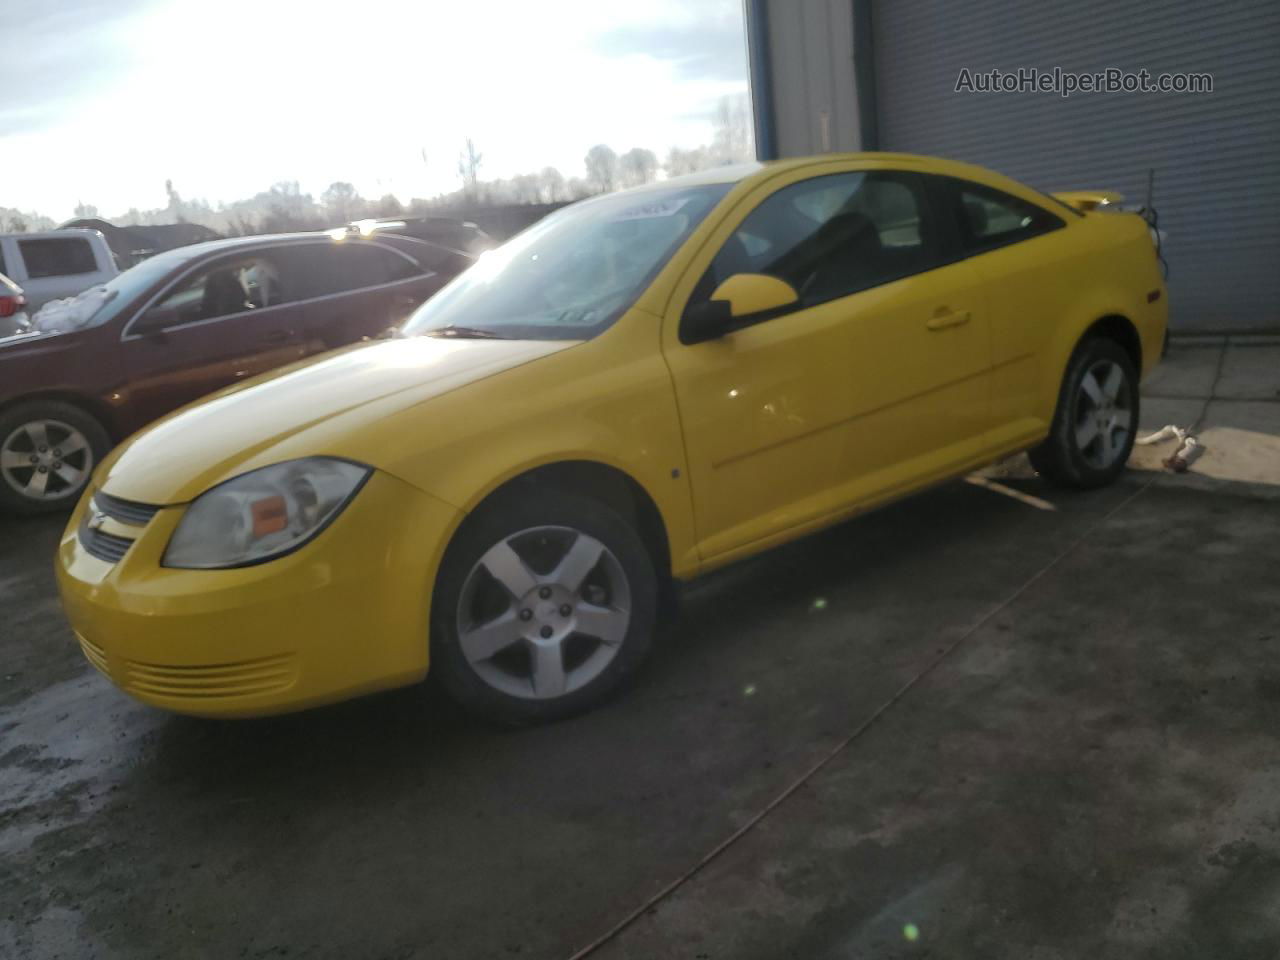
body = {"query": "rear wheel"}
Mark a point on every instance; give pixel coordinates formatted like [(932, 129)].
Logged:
[(48, 450), (545, 604), (1096, 418)]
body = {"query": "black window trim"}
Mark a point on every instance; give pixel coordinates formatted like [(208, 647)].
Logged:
[(230, 255), (930, 216)]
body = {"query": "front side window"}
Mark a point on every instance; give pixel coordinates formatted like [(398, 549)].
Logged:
[(989, 218), (57, 256), (571, 275), (230, 287), (831, 236)]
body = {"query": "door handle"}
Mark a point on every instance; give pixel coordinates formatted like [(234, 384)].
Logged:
[(941, 321)]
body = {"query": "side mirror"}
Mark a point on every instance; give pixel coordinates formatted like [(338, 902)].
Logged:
[(742, 295), (751, 293)]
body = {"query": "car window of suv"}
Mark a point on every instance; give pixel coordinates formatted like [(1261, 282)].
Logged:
[(57, 256), (224, 289), (831, 236), (989, 218)]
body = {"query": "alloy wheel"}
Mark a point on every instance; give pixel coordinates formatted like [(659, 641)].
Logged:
[(543, 612), (46, 460), (1104, 414)]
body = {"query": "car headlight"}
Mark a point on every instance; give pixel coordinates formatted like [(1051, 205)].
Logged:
[(263, 514)]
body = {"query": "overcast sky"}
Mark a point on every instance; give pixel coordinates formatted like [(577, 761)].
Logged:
[(105, 99)]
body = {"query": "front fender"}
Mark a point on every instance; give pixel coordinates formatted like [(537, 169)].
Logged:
[(608, 401)]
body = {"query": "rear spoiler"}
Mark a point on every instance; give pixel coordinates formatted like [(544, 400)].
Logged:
[(1086, 200)]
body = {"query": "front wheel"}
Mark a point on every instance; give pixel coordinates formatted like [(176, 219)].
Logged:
[(1096, 418), (544, 605), (48, 450)]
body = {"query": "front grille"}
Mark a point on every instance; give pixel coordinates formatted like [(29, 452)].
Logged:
[(104, 546), (246, 678), (94, 654), (125, 511)]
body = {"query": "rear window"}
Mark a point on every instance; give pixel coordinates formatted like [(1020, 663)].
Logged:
[(57, 256)]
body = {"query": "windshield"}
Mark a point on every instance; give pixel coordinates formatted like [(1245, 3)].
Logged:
[(573, 274)]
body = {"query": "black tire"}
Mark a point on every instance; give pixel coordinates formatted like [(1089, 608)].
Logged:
[(495, 523), (1061, 458), (63, 496)]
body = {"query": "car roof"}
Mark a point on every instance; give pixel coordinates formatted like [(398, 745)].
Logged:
[(259, 241), (45, 234), (747, 175)]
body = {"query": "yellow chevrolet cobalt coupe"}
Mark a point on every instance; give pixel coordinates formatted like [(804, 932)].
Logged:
[(641, 388)]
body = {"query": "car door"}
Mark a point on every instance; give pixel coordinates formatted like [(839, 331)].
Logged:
[(877, 377), (224, 321), (355, 289), (1020, 252)]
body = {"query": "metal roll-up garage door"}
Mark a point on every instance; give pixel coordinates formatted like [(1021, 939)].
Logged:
[(1216, 155)]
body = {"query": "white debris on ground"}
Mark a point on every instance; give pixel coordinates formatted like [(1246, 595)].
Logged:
[(1188, 451), (70, 313)]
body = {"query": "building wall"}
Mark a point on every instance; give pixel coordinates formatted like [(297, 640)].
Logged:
[(811, 63), (1217, 182)]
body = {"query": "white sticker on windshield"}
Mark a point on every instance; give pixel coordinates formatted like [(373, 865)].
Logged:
[(655, 208)]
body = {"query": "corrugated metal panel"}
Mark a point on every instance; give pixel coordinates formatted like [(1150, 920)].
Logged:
[(1216, 156), (814, 98)]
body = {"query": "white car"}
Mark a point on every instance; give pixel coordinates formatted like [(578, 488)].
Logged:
[(56, 264)]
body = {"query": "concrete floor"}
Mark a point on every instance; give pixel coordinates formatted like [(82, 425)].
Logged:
[(1074, 752)]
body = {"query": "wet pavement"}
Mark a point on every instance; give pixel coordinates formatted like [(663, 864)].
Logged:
[(1074, 751)]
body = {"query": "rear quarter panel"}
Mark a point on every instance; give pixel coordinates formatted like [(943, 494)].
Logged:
[(1045, 294)]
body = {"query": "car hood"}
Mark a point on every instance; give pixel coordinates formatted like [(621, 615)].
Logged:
[(303, 410)]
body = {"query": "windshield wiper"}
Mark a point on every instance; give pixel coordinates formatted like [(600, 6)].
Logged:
[(471, 333)]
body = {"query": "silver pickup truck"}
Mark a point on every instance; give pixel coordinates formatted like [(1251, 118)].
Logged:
[(55, 264)]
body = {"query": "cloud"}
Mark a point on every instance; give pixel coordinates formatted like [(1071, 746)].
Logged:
[(708, 45), (58, 54)]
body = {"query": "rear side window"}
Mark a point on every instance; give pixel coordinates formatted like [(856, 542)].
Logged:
[(319, 270), (57, 256), (988, 218), (366, 265)]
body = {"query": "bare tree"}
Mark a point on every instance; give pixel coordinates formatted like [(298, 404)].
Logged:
[(680, 161), (341, 202), (389, 206), (86, 211), (731, 141), (469, 161), (526, 188), (552, 187), (602, 168), (17, 224), (637, 166)]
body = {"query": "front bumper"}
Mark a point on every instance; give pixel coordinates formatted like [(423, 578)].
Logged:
[(344, 615)]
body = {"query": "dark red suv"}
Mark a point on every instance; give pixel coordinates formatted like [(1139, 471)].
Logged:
[(184, 323)]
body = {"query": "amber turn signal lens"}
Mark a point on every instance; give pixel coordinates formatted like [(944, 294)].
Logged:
[(270, 515)]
